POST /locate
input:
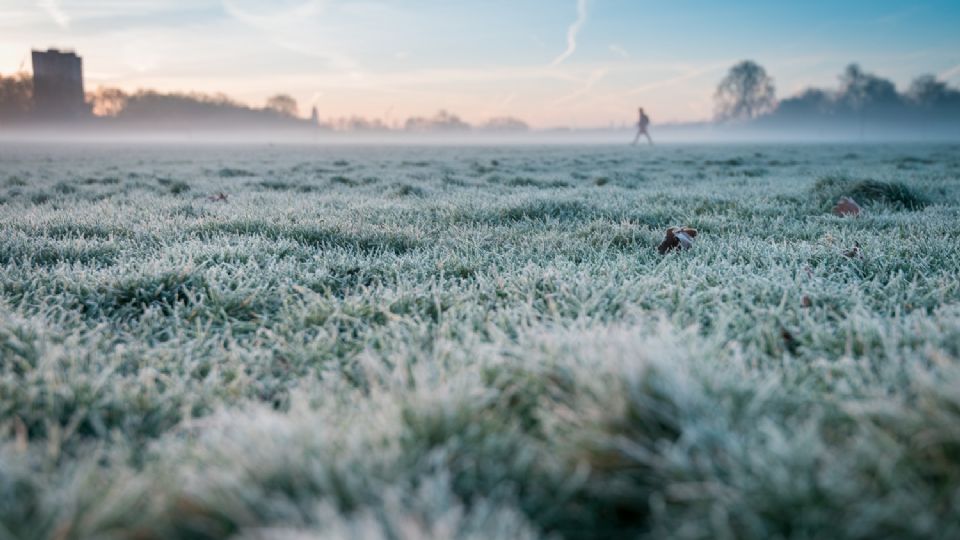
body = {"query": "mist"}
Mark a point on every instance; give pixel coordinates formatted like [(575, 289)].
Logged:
[(863, 107)]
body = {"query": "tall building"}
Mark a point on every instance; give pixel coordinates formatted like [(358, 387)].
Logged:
[(58, 84)]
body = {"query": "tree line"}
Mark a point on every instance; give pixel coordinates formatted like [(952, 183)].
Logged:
[(747, 95), (150, 108)]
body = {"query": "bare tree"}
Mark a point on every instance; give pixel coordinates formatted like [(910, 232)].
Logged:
[(929, 92), (505, 123), (16, 96), (746, 92), (107, 101), (283, 104), (442, 121), (859, 89)]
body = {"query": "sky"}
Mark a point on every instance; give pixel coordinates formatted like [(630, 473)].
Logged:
[(552, 63)]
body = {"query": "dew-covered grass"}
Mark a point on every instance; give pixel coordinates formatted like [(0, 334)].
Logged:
[(480, 342)]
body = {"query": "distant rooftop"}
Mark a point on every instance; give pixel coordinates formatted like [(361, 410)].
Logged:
[(55, 50)]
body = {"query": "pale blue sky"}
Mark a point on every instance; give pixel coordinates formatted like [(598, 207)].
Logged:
[(550, 62)]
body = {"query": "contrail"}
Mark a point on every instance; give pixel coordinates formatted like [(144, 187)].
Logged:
[(619, 51), (572, 32), (690, 74), (588, 85), (950, 73)]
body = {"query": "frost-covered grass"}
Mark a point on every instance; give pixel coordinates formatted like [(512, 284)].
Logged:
[(478, 343)]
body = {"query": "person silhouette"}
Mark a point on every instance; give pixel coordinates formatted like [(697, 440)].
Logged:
[(642, 123)]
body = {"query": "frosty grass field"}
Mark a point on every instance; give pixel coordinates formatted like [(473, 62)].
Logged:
[(478, 342)]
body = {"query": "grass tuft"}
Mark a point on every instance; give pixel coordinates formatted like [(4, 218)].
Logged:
[(828, 189)]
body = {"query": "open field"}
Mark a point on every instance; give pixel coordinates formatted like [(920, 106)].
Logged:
[(478, 342)]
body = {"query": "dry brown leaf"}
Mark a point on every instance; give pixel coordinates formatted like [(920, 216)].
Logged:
[(677, 238), (846, 207), (855, 252)]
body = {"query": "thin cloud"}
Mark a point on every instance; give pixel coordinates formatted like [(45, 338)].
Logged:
[(499, 107), (619, 51), (572, 31), (894, 17), (588, 85), (274, 19), (53, 9), (690, 74), (949, 73), (295, 28)]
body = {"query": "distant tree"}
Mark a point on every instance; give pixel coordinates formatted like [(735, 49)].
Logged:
[(505, 123), (859, 90), (746, 92), (107, 101), (155, 109), (862, 101), (149, 105), (442, 121), (927, 91), (283, 104), (16, 96), (358, 123), (810, 102)]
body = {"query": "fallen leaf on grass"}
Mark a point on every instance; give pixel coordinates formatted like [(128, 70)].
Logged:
[(854, 252), (846, 207), (677, 238)]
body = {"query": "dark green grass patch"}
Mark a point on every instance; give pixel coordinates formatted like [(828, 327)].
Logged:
[(343, 181), (407, 190), (523, 181), (828, 189), (276, 185), (102, 180), (232, 172), (128, 299), (179, 187), (541, 210), (315, 236), (47, 254)]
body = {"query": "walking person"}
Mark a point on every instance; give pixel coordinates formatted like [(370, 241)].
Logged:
[(642, 123)]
